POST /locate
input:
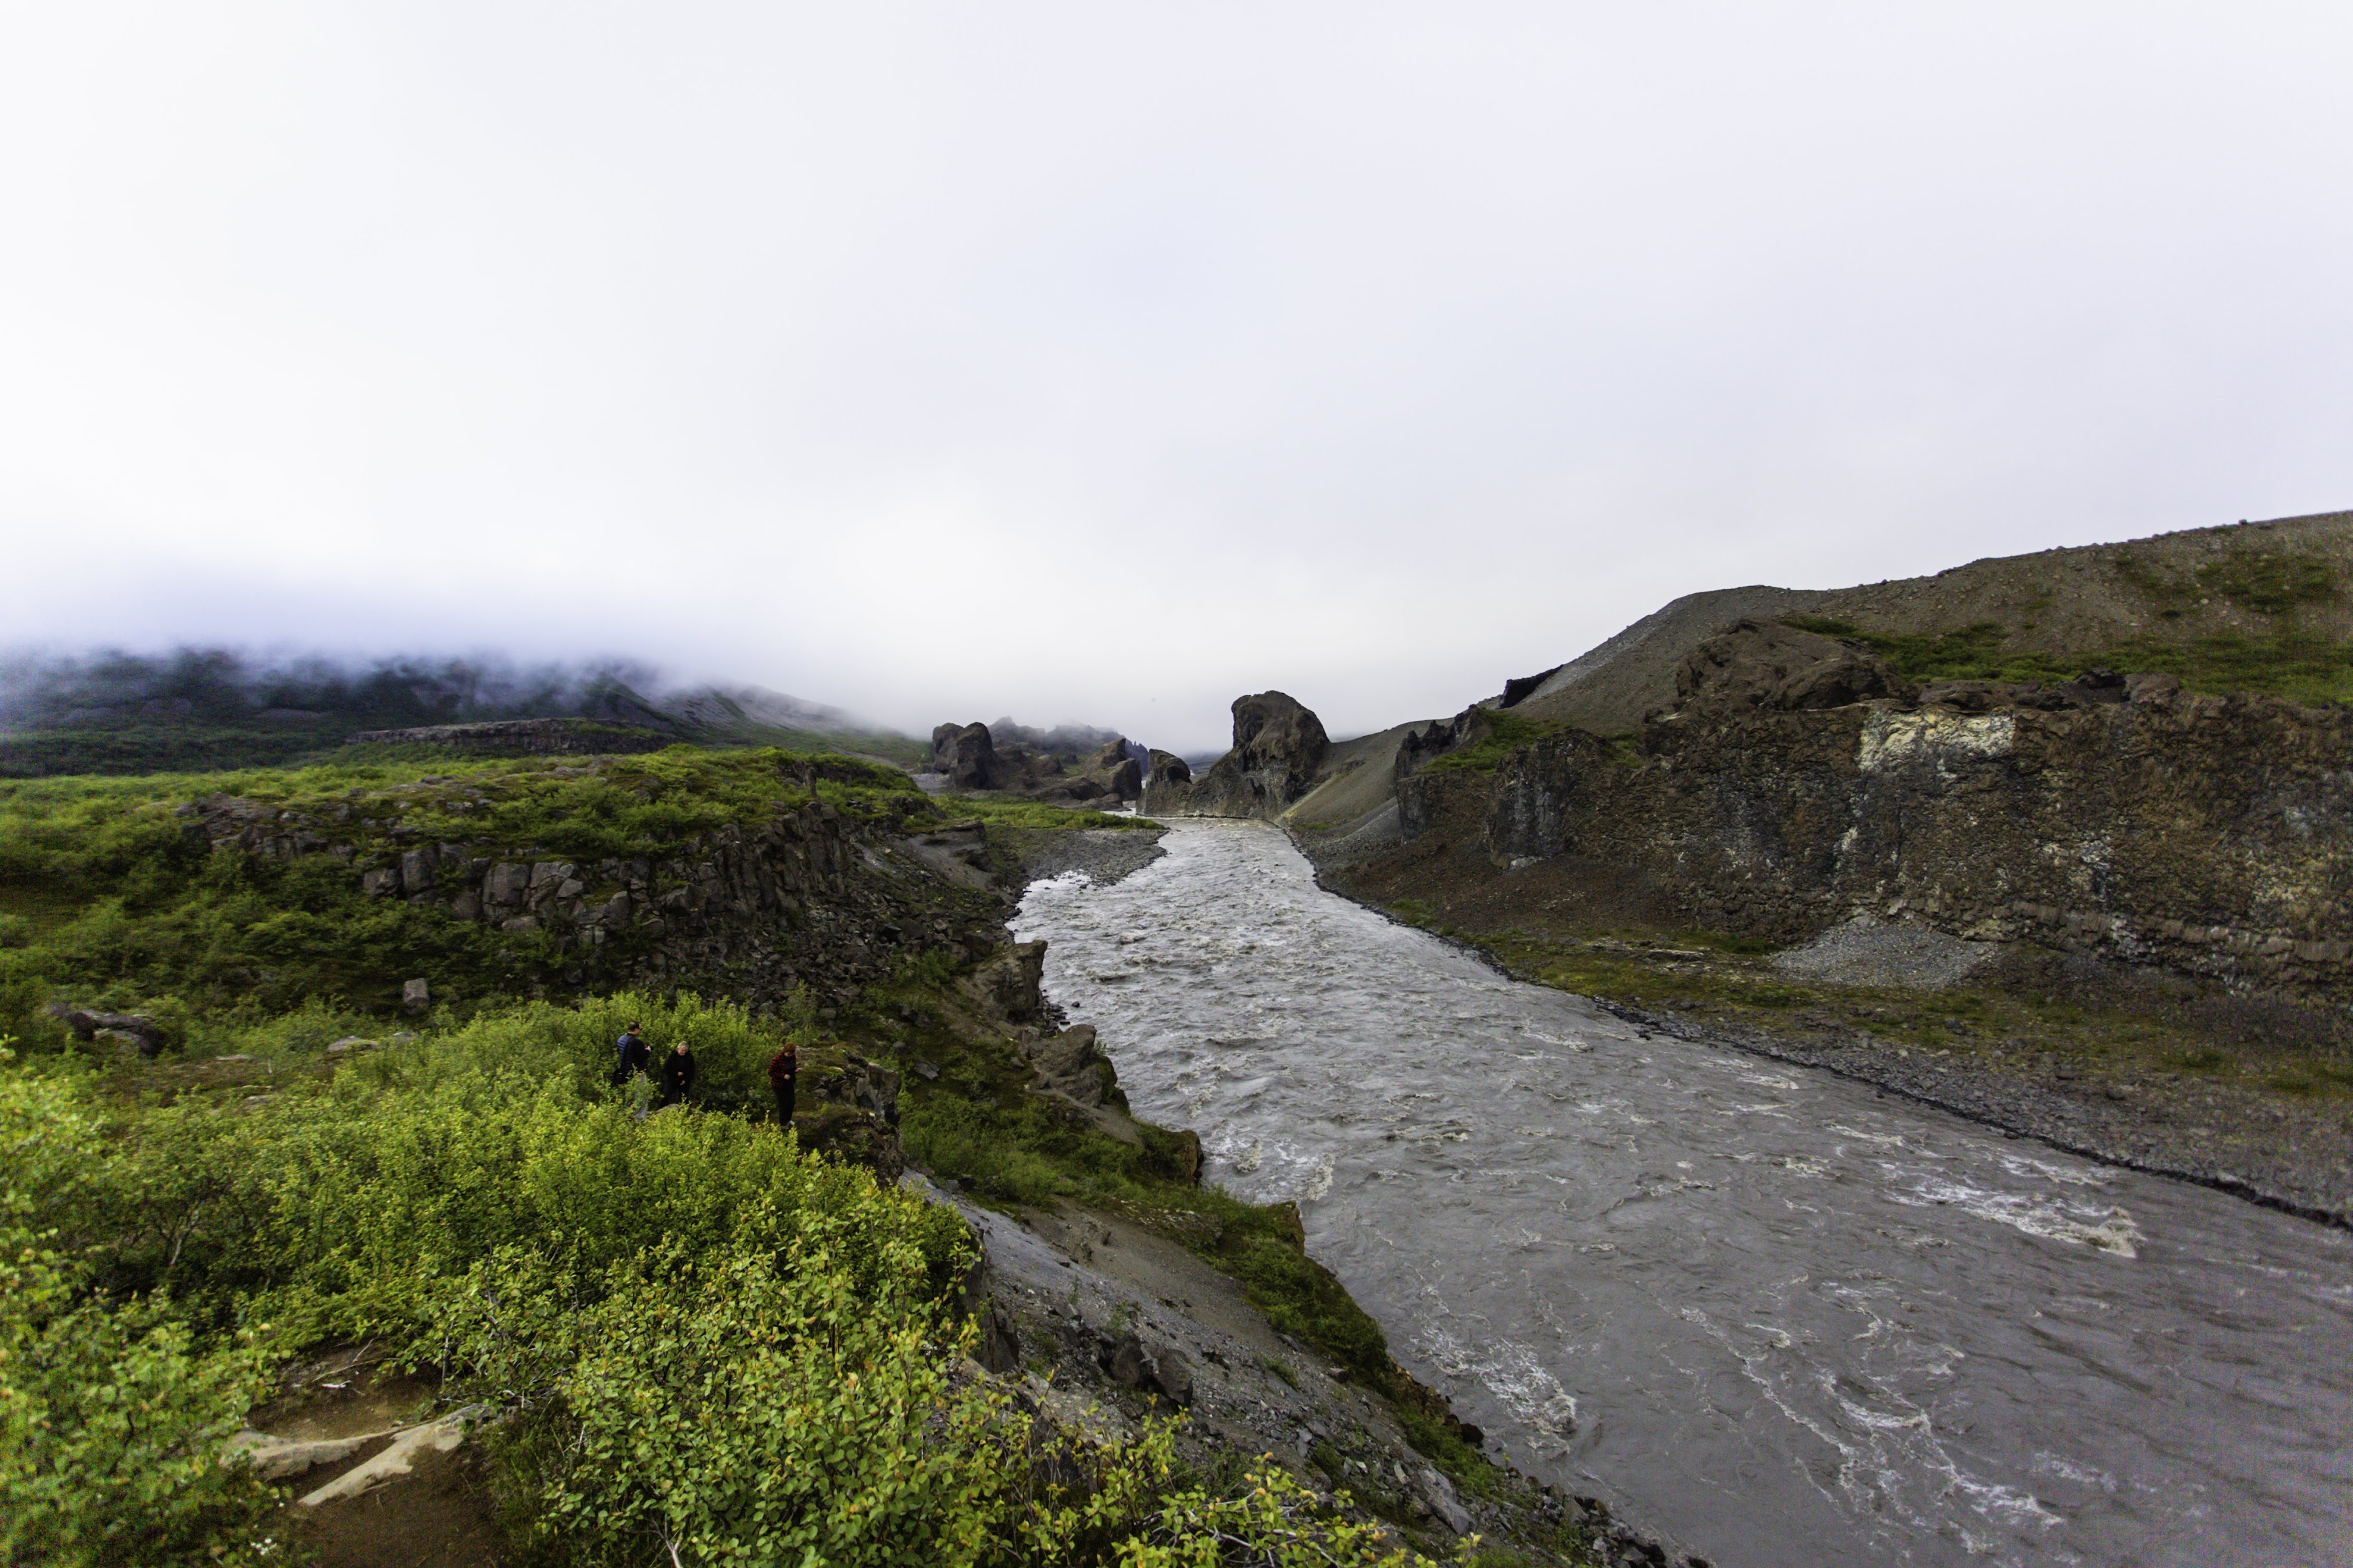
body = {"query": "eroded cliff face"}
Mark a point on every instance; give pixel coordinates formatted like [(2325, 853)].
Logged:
[(2211, 837)]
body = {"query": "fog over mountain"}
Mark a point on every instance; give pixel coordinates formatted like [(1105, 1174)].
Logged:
[(1099, 365)]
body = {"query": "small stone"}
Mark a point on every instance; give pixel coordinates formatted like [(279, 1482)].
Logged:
[(927, 1071), (415, 996)]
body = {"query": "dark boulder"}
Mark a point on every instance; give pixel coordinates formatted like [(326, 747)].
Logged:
[(1116, 768), (1278, 747), (966, 755), (1071, 1064), (1008, 983), (1277, 739), (1167, 767), (150, 1036)]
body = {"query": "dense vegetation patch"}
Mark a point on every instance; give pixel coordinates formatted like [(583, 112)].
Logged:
[(697, 1343)]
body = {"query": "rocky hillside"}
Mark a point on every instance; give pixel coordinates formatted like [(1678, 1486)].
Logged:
[(2257, 607)]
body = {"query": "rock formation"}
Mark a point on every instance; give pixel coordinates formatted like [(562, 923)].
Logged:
[(971, 757), (1279, 747), (1767, 665), (966, 754), (809, 895)]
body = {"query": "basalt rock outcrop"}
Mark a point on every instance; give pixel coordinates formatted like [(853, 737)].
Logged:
[(1798, 785), (811, 896), (966, 754), (970, 757), (1279, 747)]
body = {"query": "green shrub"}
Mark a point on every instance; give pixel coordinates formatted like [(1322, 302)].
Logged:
[(110, 1413)]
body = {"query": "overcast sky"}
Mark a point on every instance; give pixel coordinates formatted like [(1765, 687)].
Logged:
[(1102, 361)]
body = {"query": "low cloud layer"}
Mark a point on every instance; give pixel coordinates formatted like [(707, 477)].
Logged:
[(1102, 364)]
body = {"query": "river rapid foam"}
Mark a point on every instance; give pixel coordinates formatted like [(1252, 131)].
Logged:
[(1779, 1318)]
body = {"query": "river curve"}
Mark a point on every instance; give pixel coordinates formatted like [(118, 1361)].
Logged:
[(1774, 1316)]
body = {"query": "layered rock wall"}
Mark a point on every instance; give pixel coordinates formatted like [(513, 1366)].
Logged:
[(2207, 836)]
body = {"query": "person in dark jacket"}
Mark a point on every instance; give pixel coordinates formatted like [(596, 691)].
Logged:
[(677, 1075), (781, 1068), (633, 1056)]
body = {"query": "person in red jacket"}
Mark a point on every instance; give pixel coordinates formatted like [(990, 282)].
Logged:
[(781, 1068)]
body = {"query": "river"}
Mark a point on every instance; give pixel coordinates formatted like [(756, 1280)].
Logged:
[(1773, 1316)]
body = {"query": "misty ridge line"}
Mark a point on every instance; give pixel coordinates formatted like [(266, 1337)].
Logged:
[(193, 684), (216, 687)]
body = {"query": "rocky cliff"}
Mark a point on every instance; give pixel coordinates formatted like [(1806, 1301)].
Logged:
[(807, 895), (1798, 784)]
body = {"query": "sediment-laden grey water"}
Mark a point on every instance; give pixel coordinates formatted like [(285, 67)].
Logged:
[(1765, 1312)]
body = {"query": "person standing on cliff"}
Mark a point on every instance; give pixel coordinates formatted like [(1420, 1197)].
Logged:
[(677, 1076), (781, 1068), (634, 1054)]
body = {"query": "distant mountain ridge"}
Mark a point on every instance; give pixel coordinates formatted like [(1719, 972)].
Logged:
[(210, 709)]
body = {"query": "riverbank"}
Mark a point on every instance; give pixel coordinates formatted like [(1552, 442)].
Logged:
[(2078, 1056)]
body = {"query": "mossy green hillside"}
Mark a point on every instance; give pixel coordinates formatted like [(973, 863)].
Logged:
[(2286, 663)]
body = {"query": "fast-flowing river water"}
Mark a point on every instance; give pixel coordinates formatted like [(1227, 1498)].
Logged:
[(1767, 1312)]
